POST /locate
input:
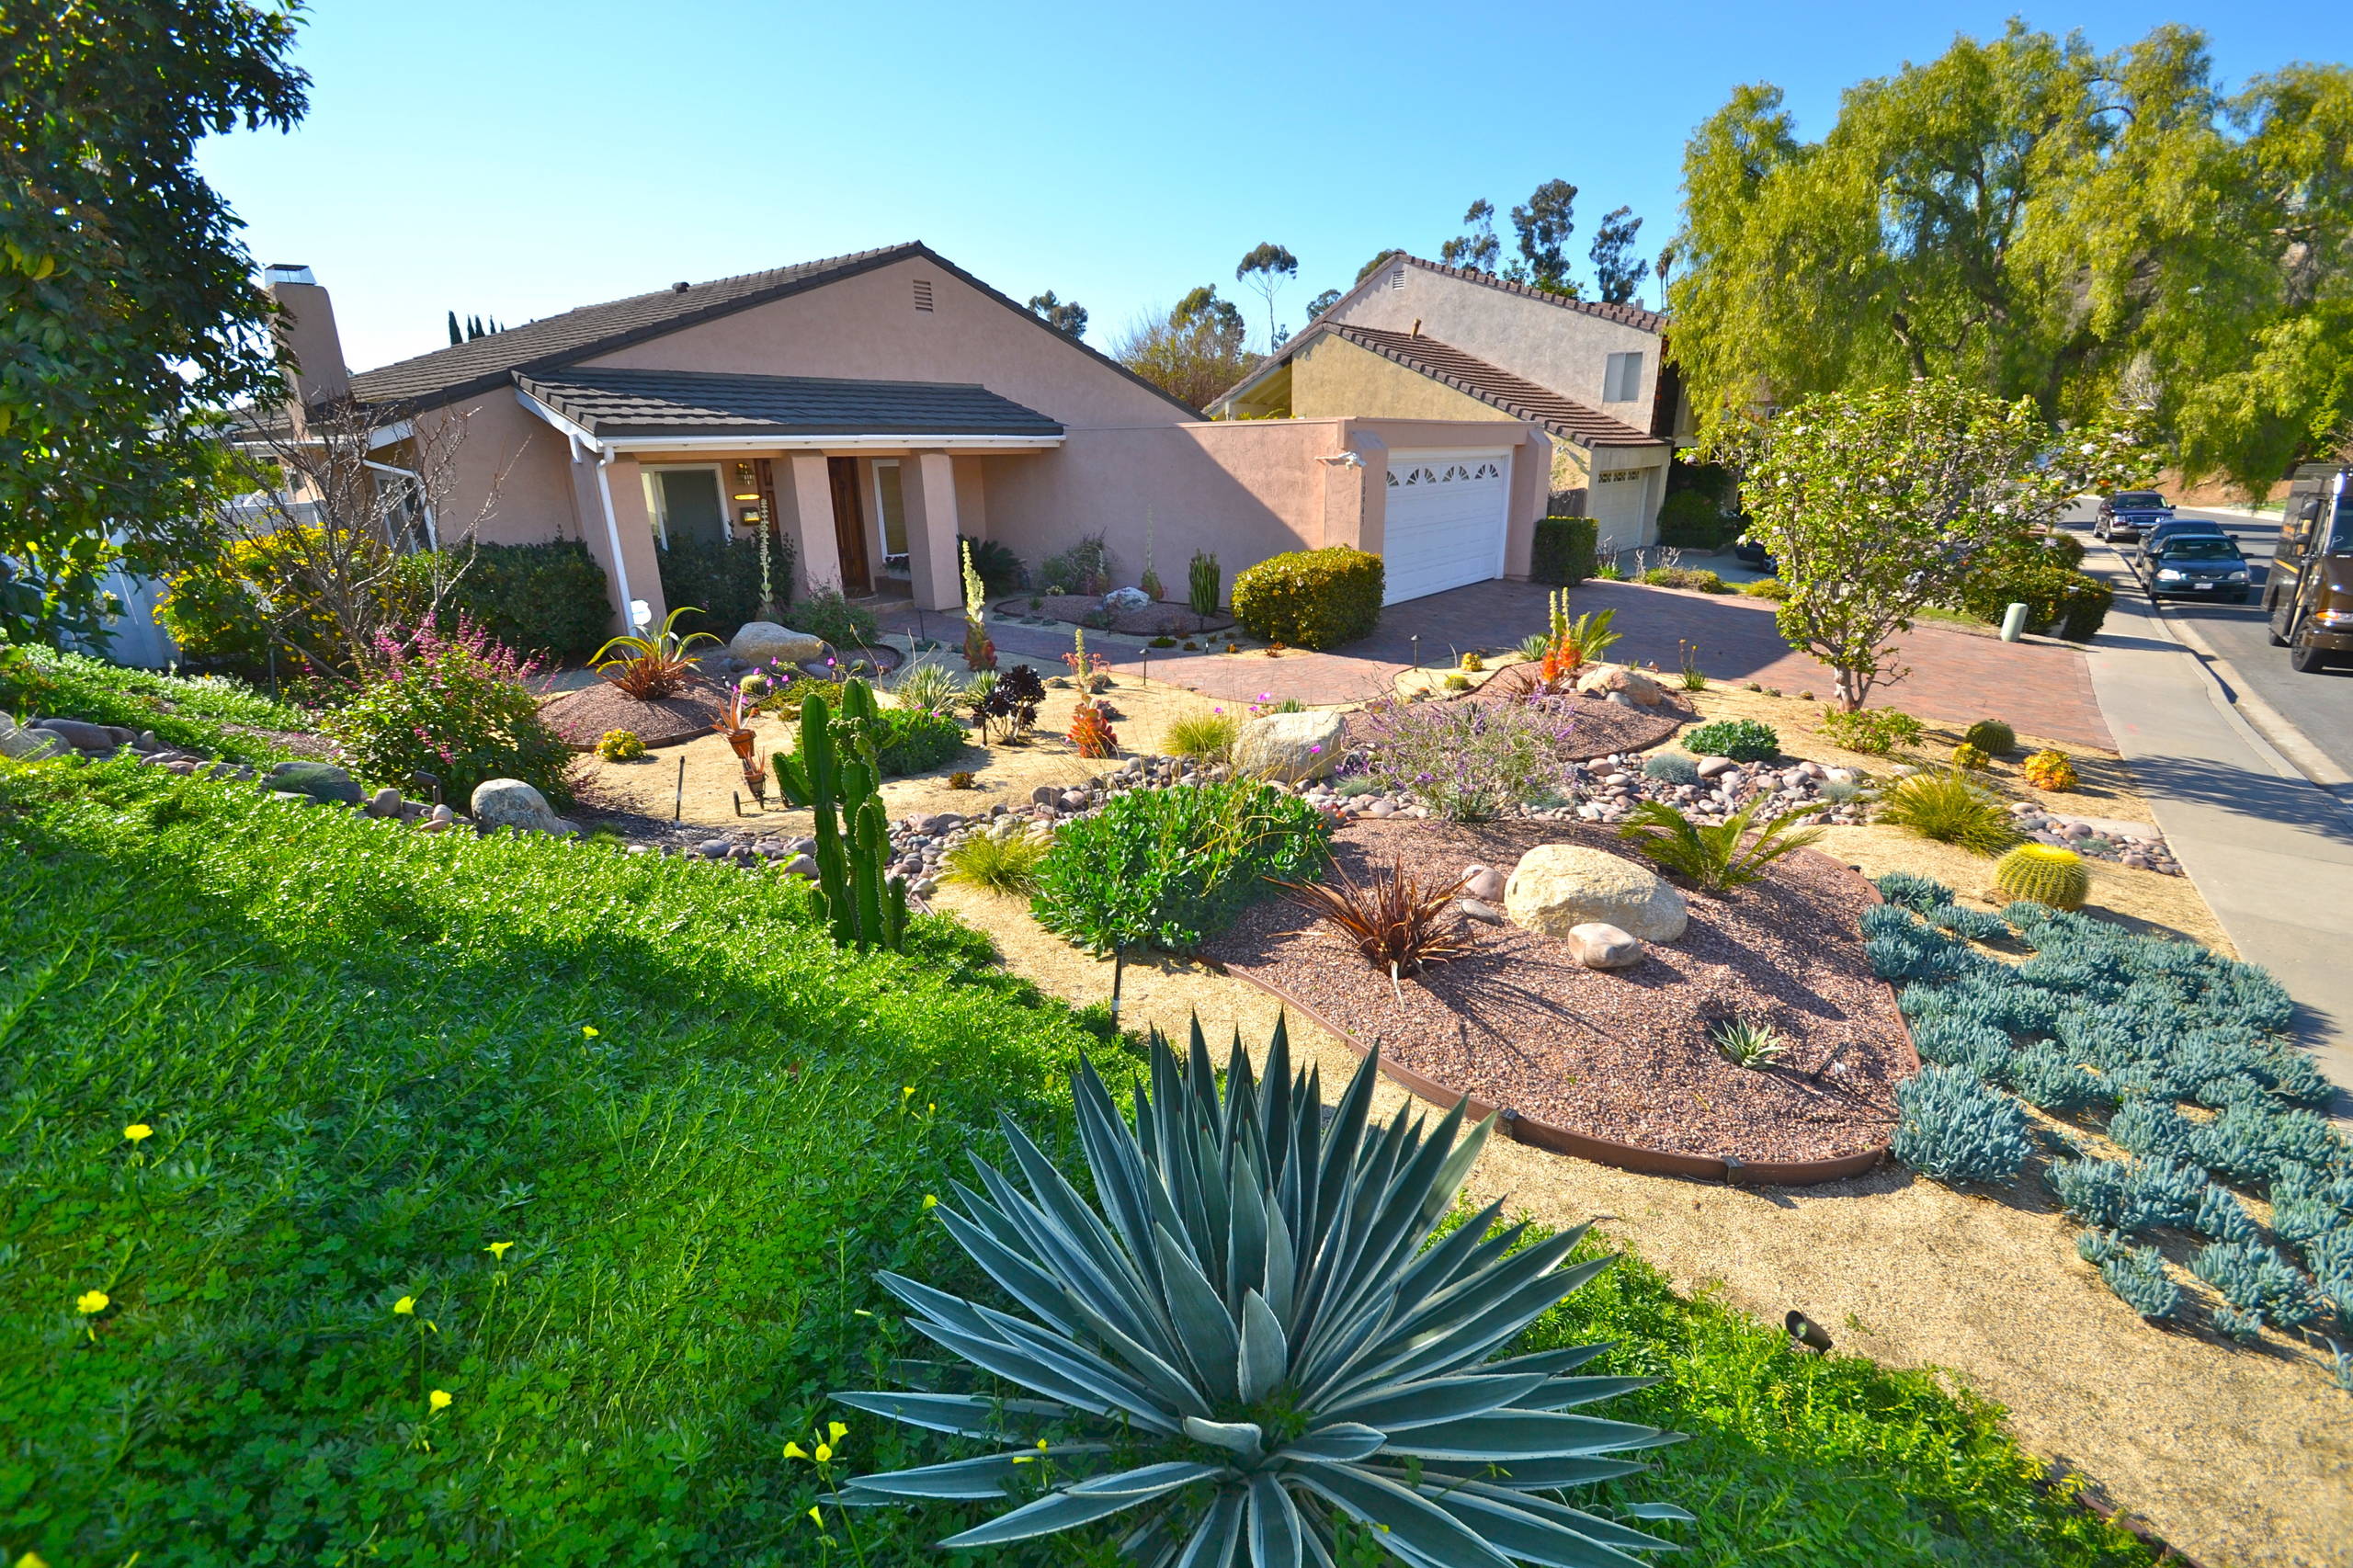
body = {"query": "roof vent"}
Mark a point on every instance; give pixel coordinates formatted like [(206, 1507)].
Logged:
[(287, 272), (923, 293), (679, 288), (1397, 279)]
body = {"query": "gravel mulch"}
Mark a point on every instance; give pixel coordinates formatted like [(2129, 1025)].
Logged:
[(579, 717), (1623, 1055), (1161, 619)]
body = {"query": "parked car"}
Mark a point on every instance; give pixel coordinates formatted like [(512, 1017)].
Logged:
[(2310, 590), (2123, 514), (1751, 554), (2193, 565)]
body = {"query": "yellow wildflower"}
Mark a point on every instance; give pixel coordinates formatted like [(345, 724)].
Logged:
[(498, 1250), (137, 1132), (836, 1431), (588, 1029), (90, 1302), (930, 1201), (438, 1399), (1041, 1445), (815, 1517), (405, 1307), (32, 1559), (824, 1453), (795, 1451)]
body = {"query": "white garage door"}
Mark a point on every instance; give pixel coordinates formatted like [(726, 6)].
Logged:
[(1444, 522), (1617, 502)]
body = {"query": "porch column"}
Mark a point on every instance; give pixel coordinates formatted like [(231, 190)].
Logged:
[(810, 488), (932, 558)]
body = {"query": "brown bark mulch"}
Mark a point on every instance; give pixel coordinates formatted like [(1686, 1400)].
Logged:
[(1160, 620), (580, 717), (1624, 1055)]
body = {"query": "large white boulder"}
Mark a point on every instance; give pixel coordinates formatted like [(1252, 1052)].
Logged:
[(510, 802), (1558, 887), (1637, 686), (758, 642), (1293, 747)]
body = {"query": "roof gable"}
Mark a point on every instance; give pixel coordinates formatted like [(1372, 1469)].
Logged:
[(1495, 387), (1634, 316)]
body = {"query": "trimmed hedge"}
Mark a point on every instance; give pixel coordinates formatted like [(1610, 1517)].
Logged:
[(1310, 598), (1690, 520), (2057, 597), (546, 600), (1563, 553)]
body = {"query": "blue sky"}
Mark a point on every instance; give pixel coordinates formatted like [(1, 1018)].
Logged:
[(515, 160)]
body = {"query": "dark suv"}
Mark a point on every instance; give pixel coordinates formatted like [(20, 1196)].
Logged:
[(2193, 566), (2123, 514), (2310, 591)]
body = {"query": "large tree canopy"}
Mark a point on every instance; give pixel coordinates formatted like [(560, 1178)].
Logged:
[(128, 313), (2038, 219)]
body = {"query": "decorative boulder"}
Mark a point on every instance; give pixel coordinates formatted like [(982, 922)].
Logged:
[(1599, 945), (759, 642), (1636, 686), (1558, 887), (1293, 747), (1483, 884), (510, 802), (322, 781), (85, 736), (26, 745)]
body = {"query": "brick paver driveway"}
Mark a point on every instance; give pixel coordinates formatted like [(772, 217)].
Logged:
[(1956, 677)]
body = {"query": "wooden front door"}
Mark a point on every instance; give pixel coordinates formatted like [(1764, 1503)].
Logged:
[(849, 526)]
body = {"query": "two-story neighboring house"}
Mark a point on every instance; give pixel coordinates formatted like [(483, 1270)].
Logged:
[(1421, 340)]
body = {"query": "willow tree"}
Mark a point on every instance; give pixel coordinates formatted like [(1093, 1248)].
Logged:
[(2039, 219)]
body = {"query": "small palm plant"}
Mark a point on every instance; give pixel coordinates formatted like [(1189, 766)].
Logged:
[(652, 668), (1716, 858), (1256, 1338)]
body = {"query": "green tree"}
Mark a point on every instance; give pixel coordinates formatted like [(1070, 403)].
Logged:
[(1476, 249), (1266, 267), (2039, 220), (1872, 504), (128, 315), (1369, 268), (1193, 353), (456, 336), (1321, 302), (1544, 226), (1063, 316), (1617, 271)]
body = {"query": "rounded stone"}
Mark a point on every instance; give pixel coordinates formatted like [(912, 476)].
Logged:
[(1483, 884), (510, 802), (1597, 944), (761, 641), (1290, 747), (1632, 683), (1557, 887)]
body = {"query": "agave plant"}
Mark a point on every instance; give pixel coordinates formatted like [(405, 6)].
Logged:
[(1254, 1344)]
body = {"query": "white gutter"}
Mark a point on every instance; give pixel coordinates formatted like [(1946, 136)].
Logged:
[(612, 530)]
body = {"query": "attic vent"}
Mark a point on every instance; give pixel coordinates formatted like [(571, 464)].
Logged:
[(1397, 279), (923, 293)]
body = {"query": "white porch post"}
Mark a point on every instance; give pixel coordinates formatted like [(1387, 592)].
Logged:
[(932, 560), (811, 487)]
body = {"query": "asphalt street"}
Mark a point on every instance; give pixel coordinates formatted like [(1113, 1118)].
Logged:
[(2319, 706)]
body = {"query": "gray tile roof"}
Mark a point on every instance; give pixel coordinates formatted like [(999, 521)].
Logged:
[(610, 402), (1625, 315), (1498, 388)]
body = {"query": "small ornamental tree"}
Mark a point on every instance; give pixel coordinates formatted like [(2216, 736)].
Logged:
[(1874, 503)]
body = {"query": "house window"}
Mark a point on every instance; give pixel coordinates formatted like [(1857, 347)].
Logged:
[(686, 504), (891, 506), (923, 293), (1622, 379)]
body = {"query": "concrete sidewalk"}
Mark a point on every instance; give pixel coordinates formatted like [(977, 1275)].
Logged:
[(2272, 854)]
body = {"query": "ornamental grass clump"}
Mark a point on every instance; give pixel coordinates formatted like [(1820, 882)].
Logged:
[(997, 865), (1253, 1344), (1948, 809), (1470, 761), (1206, 737)]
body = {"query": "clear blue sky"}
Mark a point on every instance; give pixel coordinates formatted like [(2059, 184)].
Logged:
[(517, 159)]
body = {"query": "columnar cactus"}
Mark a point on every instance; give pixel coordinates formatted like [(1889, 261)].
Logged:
[(833, 770), (2045, 874)]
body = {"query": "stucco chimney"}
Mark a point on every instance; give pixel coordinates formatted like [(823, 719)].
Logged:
[(306, 334)]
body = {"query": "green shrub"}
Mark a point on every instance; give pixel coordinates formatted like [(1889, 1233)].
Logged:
[(1001, 571), (1469, 761), (909, 740), (457, 707), (1084, 568), (1769, 588), (620, 745), (2137, 1274), (2057, 597), (828, 617), (1743, 740), (1952, 1128), (1992, 737), (217, 715), (545, 600), (1310, 598), (999, 865), (1874, 732), (721, 579), (1949, 809), (1562, 553), (1166, 867), (1675, 766), (1690, 520), (2258, 1280), (1913, 893)]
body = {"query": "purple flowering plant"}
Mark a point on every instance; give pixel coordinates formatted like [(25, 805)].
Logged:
[(456, 705), (1470, 761)]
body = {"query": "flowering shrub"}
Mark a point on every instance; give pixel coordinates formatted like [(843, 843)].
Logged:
[(1470, 761), (2049, 771), (455, 707)]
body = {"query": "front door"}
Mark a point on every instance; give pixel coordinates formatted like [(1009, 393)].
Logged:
[(849, 526)]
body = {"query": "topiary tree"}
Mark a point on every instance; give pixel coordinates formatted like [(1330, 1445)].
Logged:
[(1874, 503)]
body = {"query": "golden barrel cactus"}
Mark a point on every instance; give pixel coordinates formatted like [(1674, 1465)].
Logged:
[(2045, 874), (2049, 771)]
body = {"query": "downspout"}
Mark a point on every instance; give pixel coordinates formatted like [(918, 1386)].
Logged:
[(613, 534), (432, 533)]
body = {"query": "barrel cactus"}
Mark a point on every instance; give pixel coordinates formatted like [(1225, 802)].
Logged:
[(2045, 874), (1251, 1345), (1992, 735), (2049, 771)]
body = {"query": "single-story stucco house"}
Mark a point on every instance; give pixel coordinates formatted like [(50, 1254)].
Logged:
[(880, 404), (1420, 339)]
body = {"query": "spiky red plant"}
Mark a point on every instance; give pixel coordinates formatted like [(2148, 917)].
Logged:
[(1090, 731), (1397, 922)]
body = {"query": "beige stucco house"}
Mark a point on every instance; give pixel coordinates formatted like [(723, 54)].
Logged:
[(880, 404), (1418, 339)]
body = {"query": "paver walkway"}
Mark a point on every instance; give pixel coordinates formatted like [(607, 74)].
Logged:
[(1956, 677)]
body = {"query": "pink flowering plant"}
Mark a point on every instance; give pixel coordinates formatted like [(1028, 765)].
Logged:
[(1470, 761), (455, 706)]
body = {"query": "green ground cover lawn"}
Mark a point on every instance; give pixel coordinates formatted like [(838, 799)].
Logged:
[(371, 1060), (210, 713)]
